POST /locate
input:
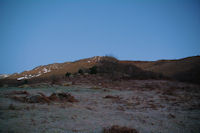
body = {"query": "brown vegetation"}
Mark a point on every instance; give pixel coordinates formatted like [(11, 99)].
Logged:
[(19, 92), (186, 69), (41, 98), (110, 68), (112, 97), (119, 129)]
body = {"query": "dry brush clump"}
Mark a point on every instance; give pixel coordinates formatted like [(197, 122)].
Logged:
[(119, 129), (112, 97), (61, 97), (41, 98), (19, 92)]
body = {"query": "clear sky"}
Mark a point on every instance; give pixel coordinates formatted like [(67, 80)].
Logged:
[(39, 32)]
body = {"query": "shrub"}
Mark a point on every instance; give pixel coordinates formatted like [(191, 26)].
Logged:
[(119, 129), (80, 71), (67, 74), (25, 81), (93, 70)]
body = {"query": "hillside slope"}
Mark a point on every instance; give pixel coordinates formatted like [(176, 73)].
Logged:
[(56, 69), (186, 69)]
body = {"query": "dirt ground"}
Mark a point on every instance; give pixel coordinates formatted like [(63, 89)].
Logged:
[(149, 106)]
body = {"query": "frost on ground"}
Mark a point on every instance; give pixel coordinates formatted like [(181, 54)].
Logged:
[(147, 106)]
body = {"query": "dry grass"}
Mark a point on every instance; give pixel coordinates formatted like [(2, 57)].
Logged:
[(41, 98), (118, 129)]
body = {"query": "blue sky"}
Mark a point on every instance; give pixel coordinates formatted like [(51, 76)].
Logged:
[(39, 32)]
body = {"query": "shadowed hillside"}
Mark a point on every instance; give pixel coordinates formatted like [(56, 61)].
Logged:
[(186, 69)]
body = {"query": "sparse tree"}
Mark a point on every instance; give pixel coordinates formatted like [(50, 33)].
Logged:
[(80, 71), (67, 74), (25, 81), (93, 70)]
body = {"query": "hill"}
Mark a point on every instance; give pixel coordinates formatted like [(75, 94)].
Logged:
[(186, 69)]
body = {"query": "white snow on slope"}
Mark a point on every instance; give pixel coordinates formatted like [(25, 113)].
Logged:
[(20, 78), (46, 70), (2, 76), (28, 76)]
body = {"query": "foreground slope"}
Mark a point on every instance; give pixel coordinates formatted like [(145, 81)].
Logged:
[(149, 106)]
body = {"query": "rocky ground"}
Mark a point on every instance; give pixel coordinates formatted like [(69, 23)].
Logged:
[(147, 106)]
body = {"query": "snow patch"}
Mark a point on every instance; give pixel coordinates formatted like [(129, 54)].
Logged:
[(46, 70), (2, 76), (28, 76), (20, 78), (37, 75), (97, 58)]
